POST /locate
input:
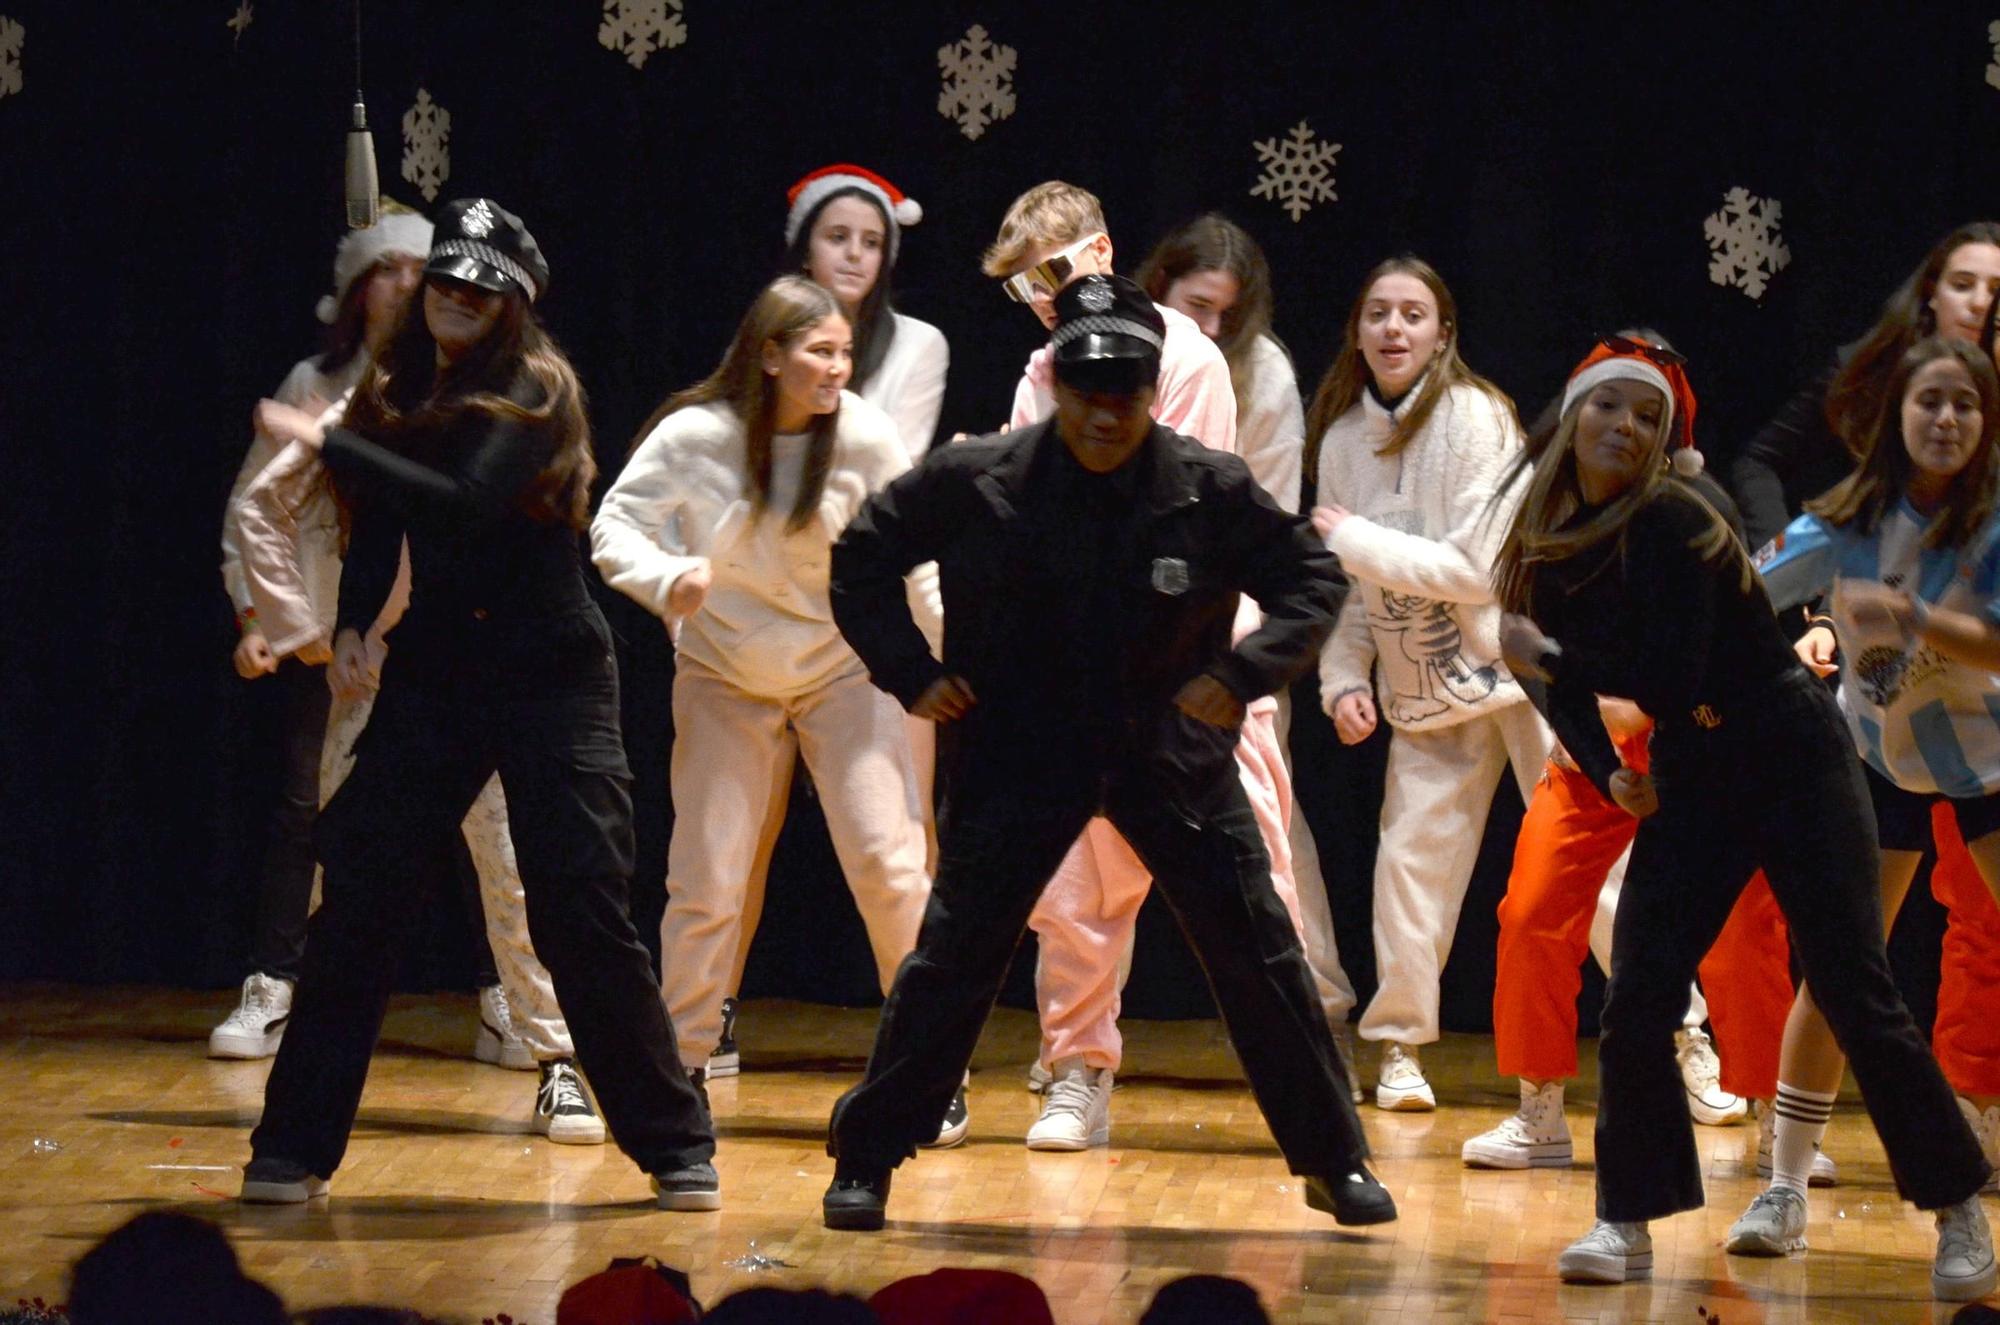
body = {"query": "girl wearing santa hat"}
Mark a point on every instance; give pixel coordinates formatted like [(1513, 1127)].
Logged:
[(1618, 579)]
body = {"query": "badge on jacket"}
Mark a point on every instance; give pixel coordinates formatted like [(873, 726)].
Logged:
[(1170, 575)]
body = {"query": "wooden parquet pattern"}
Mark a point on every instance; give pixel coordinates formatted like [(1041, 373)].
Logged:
[(448, 1203)]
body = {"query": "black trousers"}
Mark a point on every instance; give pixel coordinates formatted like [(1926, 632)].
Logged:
[(284, 896), (1776, 786), (552, 733), (996, 854)]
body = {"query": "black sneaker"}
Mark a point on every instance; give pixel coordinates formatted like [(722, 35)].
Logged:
[(860, 1204), (723, 1060), (563, 1112), (1352, 1198), (957, 1122), (271, 1181), (694, 1187)]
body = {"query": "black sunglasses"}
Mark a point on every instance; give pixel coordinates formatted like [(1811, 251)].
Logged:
[(1645, 349)]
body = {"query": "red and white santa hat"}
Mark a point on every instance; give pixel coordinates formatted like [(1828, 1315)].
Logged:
[(1624, 359), (806, 195)]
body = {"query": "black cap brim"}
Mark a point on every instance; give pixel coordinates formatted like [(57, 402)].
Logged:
[(460, 267), (1096, 362)]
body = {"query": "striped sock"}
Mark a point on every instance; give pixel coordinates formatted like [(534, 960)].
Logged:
[(1801, 1121)]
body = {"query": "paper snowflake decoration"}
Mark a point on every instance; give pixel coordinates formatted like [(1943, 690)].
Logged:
[(426, 145), (978, 81), (1297, 170), (239, 21), (637, 28), (12, 37), (1744, 237)]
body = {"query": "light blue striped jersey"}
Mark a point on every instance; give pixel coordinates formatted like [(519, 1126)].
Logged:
[(1923, 721)]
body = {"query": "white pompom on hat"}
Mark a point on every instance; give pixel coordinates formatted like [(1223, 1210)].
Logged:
[(806, 196), (400, 231)]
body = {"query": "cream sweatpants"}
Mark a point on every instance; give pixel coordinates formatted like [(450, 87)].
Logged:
[(1085, 919), (732, 758), (1435, 799), (531, 993)]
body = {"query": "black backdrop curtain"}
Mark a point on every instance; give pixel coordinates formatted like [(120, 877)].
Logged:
[(174, 194)]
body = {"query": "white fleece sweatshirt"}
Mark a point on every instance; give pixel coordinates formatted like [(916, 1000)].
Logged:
[(908, 385), (1271, 426), (683, 502), (1420, 551)]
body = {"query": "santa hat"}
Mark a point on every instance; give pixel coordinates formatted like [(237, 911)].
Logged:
[(1619, 359), (400, 231), (805, 197)]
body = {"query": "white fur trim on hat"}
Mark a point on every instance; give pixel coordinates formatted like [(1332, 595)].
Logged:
[(900, 209), (1622, 368), (407, 233)]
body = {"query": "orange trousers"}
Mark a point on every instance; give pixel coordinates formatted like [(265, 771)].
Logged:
[(1966, 1036), (1569, 839)]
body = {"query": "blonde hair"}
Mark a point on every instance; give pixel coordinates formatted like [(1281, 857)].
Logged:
[(1049, 213)]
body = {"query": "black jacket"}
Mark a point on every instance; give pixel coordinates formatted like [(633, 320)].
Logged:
[(489, 583), (1059, 703)]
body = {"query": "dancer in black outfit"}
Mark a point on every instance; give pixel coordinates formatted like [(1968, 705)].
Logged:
[(1090, 569), (1620, 580), (469, 437)]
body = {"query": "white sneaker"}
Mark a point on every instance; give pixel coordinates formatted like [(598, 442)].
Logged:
[(1608, 1254), (1823, 1174), (1343, 1040), (563, 1112), (1985, 1126), (1774, 1225), (1535, 1138), (1076, 1108), (257, 1026), (1964, 1269), (1400, 1084), (1701, 1073), (497, 1041)]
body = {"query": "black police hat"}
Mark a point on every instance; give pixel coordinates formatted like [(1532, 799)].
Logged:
[(1108, 335), (482, 243)]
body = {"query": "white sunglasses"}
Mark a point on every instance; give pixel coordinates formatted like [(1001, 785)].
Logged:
[(1048, 276)]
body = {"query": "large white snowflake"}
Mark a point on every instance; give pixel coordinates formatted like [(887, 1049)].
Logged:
[(239, 22), (978, 81), (1298, 170), (637, 28), (1744, 235), (12, 37), (426, 145), (1993, 65)]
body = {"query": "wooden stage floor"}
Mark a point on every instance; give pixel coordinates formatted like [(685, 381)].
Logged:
[(449, 1204)]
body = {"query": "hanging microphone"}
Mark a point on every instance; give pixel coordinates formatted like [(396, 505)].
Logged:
[(364, 198)]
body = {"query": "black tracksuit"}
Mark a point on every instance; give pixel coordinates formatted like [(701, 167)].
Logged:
[(503, 661), (1755, 769), (1076, 607)]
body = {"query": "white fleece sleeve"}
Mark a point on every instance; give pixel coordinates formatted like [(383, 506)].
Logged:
[(917, 406), (1480, 439), (1347, 661), (636, 539), (1271, 435)]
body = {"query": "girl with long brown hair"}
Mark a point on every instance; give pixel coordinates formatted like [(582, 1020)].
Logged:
[(1619, 579), (1411, 448), (468, 438), (722, 523)]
